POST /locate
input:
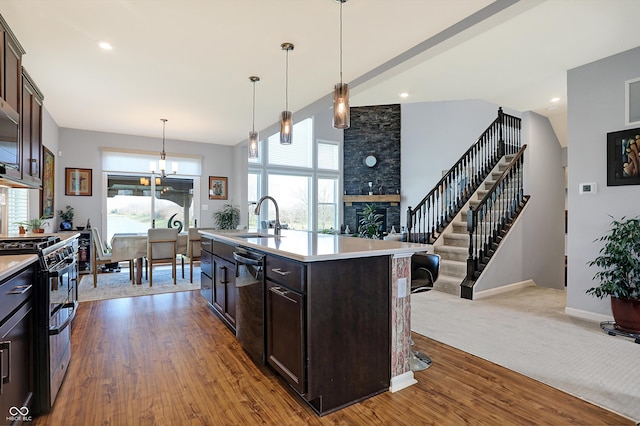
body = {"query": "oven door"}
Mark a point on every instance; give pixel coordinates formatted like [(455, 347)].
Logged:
[(60, 346), (62, 284)]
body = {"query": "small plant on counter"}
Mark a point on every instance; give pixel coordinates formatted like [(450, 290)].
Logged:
[(228, 217), (66, 215), (35, 225)]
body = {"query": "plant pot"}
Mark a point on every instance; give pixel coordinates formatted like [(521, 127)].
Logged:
[(626, 314), (38, 231)]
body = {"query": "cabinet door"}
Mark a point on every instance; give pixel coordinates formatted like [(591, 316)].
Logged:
[(206, 276), (16, 360), (13, 71), (285, 334), (31, 128), (224, 292)]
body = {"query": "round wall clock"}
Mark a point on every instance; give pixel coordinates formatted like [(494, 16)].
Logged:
[(370, 160)]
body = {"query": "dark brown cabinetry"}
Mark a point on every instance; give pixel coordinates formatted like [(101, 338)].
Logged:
[(16, 344), (11, 66), (31, 128), (328, 331), (218, 279)]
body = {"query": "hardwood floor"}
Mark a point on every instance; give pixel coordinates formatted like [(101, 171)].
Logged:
[(168, 360)]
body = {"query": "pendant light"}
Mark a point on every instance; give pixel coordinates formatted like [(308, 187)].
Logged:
[(253, 135), (341, 117), (162, 164), (286, 117)]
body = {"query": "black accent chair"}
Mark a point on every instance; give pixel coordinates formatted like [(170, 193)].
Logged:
[(425, 268)]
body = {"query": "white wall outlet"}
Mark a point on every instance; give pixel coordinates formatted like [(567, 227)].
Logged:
[(588, 188), (205, 207), (402, 288)]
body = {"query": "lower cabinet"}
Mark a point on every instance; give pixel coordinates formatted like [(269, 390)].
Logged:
[(16, 346), (224, 290), (285, 334), (218, 279)]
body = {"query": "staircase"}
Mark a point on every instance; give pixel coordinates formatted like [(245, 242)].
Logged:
[(468, 213), (453, 246)]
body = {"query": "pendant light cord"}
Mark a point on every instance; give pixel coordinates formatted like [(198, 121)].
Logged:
[(286, 83), (253, 112), (341, 42)]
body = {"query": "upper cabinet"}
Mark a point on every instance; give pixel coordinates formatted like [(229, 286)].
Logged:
[(20, 116), (11, 69), (31, 129)]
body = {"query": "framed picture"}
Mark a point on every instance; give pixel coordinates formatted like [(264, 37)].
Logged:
[(632, 102), (48, 175), (623, 157), (77, 181), (218, 188)]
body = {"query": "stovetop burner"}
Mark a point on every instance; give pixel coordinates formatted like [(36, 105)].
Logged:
[(26, 244)]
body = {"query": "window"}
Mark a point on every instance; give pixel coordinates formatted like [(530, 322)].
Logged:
[(304, 179), (17, 202)]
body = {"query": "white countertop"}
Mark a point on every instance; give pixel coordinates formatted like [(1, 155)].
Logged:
[(63, 235), (13, 263), (314, 247)]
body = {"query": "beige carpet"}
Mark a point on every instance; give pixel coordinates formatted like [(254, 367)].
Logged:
[(527, 331), (117, 284)]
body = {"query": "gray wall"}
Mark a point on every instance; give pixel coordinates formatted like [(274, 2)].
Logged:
[(595, 107), (81, 148)]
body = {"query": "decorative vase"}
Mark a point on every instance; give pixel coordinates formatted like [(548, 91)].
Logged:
[(626, 314), (66, 225)]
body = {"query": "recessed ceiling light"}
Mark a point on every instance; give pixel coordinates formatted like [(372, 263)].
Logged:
[(404, 95), (105, 45), (555, 99)]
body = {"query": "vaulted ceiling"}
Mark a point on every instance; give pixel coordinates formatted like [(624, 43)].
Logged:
[(189, 61)]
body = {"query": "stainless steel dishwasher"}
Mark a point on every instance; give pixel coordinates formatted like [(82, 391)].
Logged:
[(250, 304)]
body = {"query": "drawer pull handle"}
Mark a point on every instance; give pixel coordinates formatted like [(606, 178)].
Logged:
[(281, 272), (20, 289), (282, 293)]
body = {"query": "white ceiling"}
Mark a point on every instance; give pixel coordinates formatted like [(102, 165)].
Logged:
[(189, 60)]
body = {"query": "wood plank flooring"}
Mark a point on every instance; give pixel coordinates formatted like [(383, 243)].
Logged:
[(168, 360)]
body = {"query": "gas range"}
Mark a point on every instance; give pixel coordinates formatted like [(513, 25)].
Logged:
[(51, 250)]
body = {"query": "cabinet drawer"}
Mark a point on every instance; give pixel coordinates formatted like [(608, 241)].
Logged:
[(206, 263), (286, 272), (206, 244), (15, 291), (223, 250)]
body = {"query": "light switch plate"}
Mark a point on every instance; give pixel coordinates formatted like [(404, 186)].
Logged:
[(588, 188), (402, 288)]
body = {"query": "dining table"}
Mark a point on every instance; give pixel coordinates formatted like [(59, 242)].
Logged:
[(127, 246)]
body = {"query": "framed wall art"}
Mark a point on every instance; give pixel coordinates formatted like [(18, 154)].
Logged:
[(623, 157), (48, 187), (218, 188), (632, 102), (77, 181)]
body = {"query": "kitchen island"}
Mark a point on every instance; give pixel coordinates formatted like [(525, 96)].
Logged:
[(336, 309)]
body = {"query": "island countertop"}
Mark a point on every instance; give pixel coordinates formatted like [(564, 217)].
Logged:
[(13, 263), (312, 246)]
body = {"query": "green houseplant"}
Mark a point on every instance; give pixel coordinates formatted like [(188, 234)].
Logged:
[(369, 223), (66, 216), (228, 217), (35, 225), (619, 273)]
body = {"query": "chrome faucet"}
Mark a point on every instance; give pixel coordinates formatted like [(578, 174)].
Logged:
[(276, 227)]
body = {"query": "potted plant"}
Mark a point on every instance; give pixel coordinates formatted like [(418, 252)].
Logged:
[(66, 216), (619, 274), (369, 223), (228, 217), (35, 225)]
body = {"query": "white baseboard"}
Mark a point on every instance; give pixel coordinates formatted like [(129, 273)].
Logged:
[(503, 289), (586, 315), (402, 381)]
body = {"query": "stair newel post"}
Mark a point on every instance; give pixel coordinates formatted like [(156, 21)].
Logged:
[(471, 224), (409, 225), (501, 147)]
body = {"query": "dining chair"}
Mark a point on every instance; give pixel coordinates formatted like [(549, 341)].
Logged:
[(193, 251), (162, 247), (100, 255)]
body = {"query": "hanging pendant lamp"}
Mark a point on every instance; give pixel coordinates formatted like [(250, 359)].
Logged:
[(286, 116), (253, 135), (341, 116), (162, 164)]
